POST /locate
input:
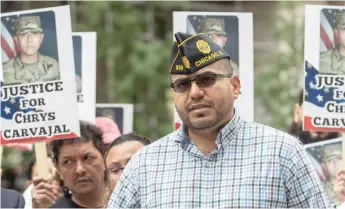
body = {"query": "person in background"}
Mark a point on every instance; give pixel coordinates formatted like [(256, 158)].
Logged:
[(109, 128), (296, 128), (41, 192), (11, 199), (120, 151), (81, 168)]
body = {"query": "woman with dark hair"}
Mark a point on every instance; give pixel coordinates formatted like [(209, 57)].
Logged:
[(80, 166), (120, 152)]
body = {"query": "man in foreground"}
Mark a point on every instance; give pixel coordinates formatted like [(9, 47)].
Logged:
[(216, 159)]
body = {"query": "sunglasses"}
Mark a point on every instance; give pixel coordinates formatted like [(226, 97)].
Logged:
[(202, 80)]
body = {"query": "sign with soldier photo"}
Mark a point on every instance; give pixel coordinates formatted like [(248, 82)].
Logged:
[(84, 46), (121, 114), (234, 33), (324, 56), (326, 157), (38, 96)]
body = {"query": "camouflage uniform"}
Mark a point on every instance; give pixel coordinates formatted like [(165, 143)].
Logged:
[(331, 62), (329, 152), (217, 26), (45, 69)]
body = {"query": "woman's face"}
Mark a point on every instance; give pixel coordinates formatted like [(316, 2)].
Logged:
[(81, 167)]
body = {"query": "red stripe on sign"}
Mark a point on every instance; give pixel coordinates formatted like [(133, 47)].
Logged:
[(7, 49), (177, 125), (325, 39), (308, 126), (39, 138)]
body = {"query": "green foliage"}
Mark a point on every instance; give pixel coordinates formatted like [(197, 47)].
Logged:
[(277, 87), (132, 59)]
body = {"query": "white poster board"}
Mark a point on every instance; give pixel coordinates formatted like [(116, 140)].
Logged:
[(122, 114), (324, 86), (84, 45), (38, 94)]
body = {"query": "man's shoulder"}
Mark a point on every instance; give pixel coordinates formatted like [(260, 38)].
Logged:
[(49, 60), (269, 134), (8, 64), (11, 199), (327, 55)]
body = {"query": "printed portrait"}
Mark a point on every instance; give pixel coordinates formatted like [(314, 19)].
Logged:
[(332, 42), (29, 48), (77, 49), (326, 157)]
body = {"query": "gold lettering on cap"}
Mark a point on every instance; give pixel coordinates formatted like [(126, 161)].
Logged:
[(207, 58), (179, 67)]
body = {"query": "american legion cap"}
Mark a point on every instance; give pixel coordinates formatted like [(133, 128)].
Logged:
[(191, 53)]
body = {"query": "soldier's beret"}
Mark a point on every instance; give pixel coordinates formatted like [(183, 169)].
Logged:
[(191, 53)]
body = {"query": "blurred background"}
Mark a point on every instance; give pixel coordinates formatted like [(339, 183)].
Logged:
[(133, 52)]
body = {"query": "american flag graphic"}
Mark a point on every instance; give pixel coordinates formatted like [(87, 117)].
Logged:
[(9, 47), (193, 23), (327, 23), (316, 99), (11, 106)]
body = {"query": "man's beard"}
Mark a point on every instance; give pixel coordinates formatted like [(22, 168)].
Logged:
[(305, 136)]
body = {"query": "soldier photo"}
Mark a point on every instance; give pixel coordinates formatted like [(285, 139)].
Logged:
[(78, 57), (29, 66), (215, 29), (332, 162), (333, 60)]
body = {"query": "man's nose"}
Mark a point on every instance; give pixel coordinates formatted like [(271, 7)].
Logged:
[(195, 91), (79, 167)]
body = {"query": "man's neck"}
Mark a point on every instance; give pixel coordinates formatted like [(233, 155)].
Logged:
[(205, 140), (94, 199), (28, 59)]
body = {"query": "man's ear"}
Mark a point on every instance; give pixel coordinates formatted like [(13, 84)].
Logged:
[(236, 85)]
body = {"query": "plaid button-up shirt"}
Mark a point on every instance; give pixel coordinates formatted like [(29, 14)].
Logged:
[(252, 166)]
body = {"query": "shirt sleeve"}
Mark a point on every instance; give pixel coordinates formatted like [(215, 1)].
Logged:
[(342, 206), (302, 185), (28, 197), (126, 192)]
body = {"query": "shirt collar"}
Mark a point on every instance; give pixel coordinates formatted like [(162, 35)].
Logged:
[(225, 135), (20, 64)]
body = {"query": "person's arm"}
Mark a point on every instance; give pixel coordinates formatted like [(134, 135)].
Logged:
[(302, 185)]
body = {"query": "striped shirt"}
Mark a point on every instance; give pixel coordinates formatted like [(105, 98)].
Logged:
[(252, 166)]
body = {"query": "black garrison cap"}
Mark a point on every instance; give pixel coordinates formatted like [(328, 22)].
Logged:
[(191, 53)]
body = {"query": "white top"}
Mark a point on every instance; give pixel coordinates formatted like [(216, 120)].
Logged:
[(28, 197)]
